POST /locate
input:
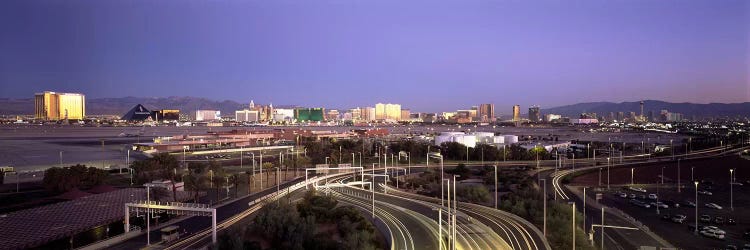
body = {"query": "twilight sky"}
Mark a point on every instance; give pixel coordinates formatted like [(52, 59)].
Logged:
[(426, 55)]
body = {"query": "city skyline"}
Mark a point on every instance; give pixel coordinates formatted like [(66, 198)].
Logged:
[(350, 53)]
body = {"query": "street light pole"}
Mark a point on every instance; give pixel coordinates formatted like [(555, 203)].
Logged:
[(608, 165), (544, 200), (574, 226), (632, 175), (678, 176), (496, 197), (584, 208), (696, 207), (455, 210), (731, 190)]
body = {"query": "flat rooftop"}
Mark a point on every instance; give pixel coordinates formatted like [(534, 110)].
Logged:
[(34, 227)]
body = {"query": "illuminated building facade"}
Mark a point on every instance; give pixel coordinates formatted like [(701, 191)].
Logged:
[(487, 112), (388, 112), (516, 113), (49, 105)]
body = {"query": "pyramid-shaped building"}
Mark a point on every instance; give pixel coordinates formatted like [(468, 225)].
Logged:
[(137, 113)]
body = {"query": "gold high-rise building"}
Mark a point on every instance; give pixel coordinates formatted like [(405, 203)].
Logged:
[(49, 105), (388, 111), (516, 113)]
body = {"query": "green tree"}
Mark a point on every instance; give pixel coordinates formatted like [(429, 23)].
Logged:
[(473, 193)]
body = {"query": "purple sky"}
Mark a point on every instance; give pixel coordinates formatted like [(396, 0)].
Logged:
[(425, 55)]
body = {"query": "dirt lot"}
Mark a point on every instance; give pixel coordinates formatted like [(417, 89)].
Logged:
[(715, 170)]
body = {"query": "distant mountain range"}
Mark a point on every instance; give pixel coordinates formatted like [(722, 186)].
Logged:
[(687, 109), (118, 106)]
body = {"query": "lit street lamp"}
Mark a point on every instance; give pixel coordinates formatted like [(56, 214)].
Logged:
[(608, 165)]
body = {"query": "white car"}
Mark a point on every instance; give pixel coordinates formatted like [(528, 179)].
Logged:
[(659, 204), (714, 229), (653, 196), (637, 189), (623, 195), (704, 192), (712, 235), (713, 205)]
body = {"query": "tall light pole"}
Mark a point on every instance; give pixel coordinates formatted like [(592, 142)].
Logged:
[(696, 207), (662, 175), (253, 160), (632, 175), (327, 160), (130, 170), (671, 147), (455, 210), (261, 170), (678, 176), (544, 200), (602, 238), (608, 165), (409, 166), (731, 190), (692, 173), (584, 208), (496, 197), (340, 154), (600, 177), (574, 225), (241, 157)]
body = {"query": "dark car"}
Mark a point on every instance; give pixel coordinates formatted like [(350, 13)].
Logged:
[(747, 234), (666, 217), (731, 221), (719, 220), (672, 203), (705, 218)]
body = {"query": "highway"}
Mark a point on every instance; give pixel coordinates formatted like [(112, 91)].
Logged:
[(413, 224)]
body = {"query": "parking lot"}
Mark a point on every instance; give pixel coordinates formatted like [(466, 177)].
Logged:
[(715, 175)]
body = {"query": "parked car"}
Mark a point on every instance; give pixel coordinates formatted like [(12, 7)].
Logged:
[(710, 234), (688, 203), (639, 203), (678, 218), (653, 196), (746, 234), (730, 247), (704, 192), (737, 184), (719, 220), (705, 218), (622, 195), (666, 217), (746, 247), (731, 221), (659, 204), (713, 205), (672, 203), (631, 196), (715, 230), (637, 189)]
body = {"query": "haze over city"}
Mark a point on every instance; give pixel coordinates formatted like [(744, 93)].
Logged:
[(375, 124), (347, 54)]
